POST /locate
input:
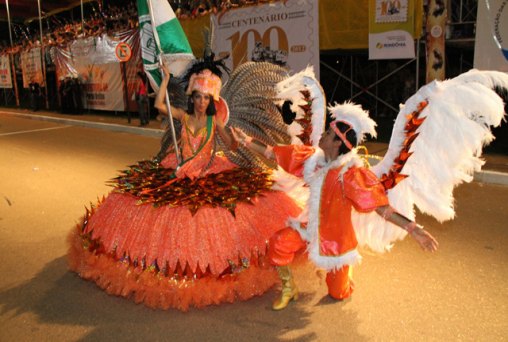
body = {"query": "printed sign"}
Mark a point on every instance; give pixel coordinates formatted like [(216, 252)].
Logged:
[(391, 29), (391, 11), (31, 67), (123, 52), (491, 43), (5, 72), (94, 61), (284, 33)]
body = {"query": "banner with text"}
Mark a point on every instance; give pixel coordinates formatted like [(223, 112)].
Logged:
[(491, 43), (94, 63), (391, 29), (5, 72), (284, 33), (31, 67)]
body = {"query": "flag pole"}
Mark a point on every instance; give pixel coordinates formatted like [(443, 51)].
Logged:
[(168, 105)]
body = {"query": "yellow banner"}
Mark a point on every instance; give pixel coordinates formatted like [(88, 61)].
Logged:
[(193, 28), (343, 24)]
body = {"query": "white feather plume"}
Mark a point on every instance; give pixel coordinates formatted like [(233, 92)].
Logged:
[(357, 117), (290, 89), (446, 152)]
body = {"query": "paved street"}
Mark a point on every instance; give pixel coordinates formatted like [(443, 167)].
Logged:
[(50, 171)]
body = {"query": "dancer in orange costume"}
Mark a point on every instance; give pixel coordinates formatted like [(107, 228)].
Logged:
[(353, 204), (338, 183), (192, 232)]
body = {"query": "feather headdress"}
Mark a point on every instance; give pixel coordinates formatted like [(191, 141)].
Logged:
[(356, 117)]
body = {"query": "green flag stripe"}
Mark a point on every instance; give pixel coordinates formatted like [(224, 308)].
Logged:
[(174, 44), (172, 38)]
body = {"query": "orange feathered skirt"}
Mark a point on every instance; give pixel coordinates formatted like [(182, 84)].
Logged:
[(167, 256)]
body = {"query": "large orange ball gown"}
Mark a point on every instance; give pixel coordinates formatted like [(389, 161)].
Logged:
[(191, 237)]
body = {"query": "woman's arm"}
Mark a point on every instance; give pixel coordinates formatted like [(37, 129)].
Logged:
[(253, 144), (227, 137), (160, 99), (424, 239)]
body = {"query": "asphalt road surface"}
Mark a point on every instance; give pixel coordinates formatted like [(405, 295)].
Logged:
[(49, 172)]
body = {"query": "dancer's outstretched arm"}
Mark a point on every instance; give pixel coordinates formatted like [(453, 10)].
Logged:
[(425, 240), (253, 144)]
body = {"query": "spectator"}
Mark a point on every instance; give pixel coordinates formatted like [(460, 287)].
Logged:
[(35, 93), (142, 99)]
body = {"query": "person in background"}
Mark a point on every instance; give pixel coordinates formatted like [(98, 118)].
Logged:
[(35, 93), (142, 99), (61, 94)]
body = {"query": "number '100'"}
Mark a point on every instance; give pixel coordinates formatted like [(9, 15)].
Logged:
[(239, 42)]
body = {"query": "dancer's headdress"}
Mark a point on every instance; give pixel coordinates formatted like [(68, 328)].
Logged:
[(205, 82), (205, 74), (356, 118)]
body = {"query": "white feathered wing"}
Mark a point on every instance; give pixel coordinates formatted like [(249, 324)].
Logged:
[(445, 153)]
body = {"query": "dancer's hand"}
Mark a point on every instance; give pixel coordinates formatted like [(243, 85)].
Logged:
[(426, 241), (165, 71), (240, 136)]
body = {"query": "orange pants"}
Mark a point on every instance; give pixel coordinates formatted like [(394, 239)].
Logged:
[(339, 282), (283, 246)]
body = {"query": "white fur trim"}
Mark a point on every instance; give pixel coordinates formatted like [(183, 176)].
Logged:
[(293, 186), (315, 171)]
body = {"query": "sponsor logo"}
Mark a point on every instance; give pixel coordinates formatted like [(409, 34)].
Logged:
[(391, 45), (148, 46)]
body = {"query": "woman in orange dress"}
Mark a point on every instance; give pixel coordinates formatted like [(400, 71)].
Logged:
[(185, 233)]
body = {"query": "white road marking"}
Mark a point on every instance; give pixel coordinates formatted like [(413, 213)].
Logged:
[(32, 130)]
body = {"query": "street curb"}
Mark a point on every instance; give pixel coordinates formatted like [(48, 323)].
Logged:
[(491, 177), (484, 176), (150, 132)]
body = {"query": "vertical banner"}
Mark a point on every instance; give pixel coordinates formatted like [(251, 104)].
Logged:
[(436, 24), (491, 43), (391, 29), (284, 33), (5, 72), (31, 67)]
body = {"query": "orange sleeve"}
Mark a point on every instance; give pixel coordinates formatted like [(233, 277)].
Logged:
[(364, 189), (292, 157)]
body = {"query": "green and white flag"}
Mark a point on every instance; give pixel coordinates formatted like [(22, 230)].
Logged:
[(176, 51)]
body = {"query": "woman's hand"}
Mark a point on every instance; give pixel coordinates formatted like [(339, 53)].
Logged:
[(159, 103), (240, 136), (226, 135), (165, 71), (252, 144)]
